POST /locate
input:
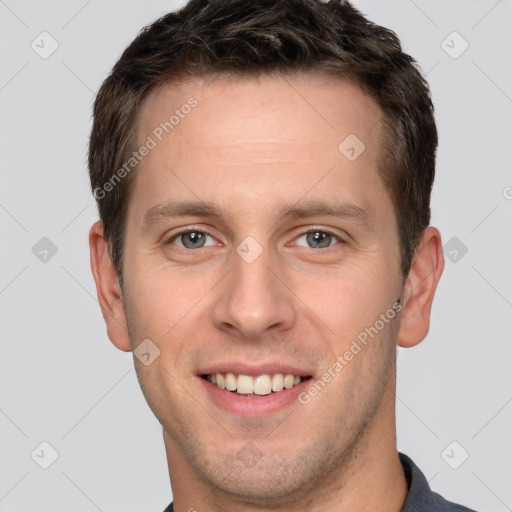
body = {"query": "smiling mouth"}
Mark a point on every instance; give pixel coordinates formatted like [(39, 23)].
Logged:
[(257, 386)]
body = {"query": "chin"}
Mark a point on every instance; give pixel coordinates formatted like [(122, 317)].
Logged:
[(276, 478)]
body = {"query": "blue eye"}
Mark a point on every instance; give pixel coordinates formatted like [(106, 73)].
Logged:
[(195, 239), (317, 239), (191, 239)]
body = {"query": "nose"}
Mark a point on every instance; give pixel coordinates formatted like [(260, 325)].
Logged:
[(254, 299)]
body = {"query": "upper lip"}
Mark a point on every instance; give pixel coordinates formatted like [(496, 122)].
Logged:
[(254, 370)]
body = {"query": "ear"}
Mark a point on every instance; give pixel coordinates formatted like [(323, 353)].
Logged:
[(109, 291), (419, 289)]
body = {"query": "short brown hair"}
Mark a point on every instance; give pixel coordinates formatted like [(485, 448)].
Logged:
[(247, 38)]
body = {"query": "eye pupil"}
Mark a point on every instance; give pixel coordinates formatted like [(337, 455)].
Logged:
[(193, 239), (319, 237)]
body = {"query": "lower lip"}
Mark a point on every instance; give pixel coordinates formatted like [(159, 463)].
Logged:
[(263, 405)]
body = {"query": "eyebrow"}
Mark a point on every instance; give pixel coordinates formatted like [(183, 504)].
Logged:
[(306, 209)]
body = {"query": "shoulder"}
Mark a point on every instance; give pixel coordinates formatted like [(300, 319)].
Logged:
[(420, 497)]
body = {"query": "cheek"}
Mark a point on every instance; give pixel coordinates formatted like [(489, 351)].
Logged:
[(163, 390), (159, 299), (164, 306), (350, 299)]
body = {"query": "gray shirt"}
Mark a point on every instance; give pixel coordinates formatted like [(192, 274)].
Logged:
[(420, 497)]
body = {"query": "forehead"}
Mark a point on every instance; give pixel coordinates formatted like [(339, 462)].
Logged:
[(314, 103), (259, 135)]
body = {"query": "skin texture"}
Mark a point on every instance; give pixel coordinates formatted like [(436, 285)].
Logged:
[(253, 147)]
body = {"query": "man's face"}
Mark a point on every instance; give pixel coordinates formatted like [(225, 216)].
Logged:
[(275, 284)]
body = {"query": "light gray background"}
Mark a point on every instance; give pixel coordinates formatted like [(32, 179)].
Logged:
[(62, 381)]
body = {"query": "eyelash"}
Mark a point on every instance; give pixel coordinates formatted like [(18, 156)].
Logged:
[(192, 230)]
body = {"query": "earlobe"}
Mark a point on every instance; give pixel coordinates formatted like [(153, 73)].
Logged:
[(420, 286), (108, 288)]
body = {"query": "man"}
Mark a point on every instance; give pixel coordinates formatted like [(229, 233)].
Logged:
[(263, 174)]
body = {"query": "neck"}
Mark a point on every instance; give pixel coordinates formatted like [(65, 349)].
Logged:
[(371, 477)]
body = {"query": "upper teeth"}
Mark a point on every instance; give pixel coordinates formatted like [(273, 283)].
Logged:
[(260, 385)]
